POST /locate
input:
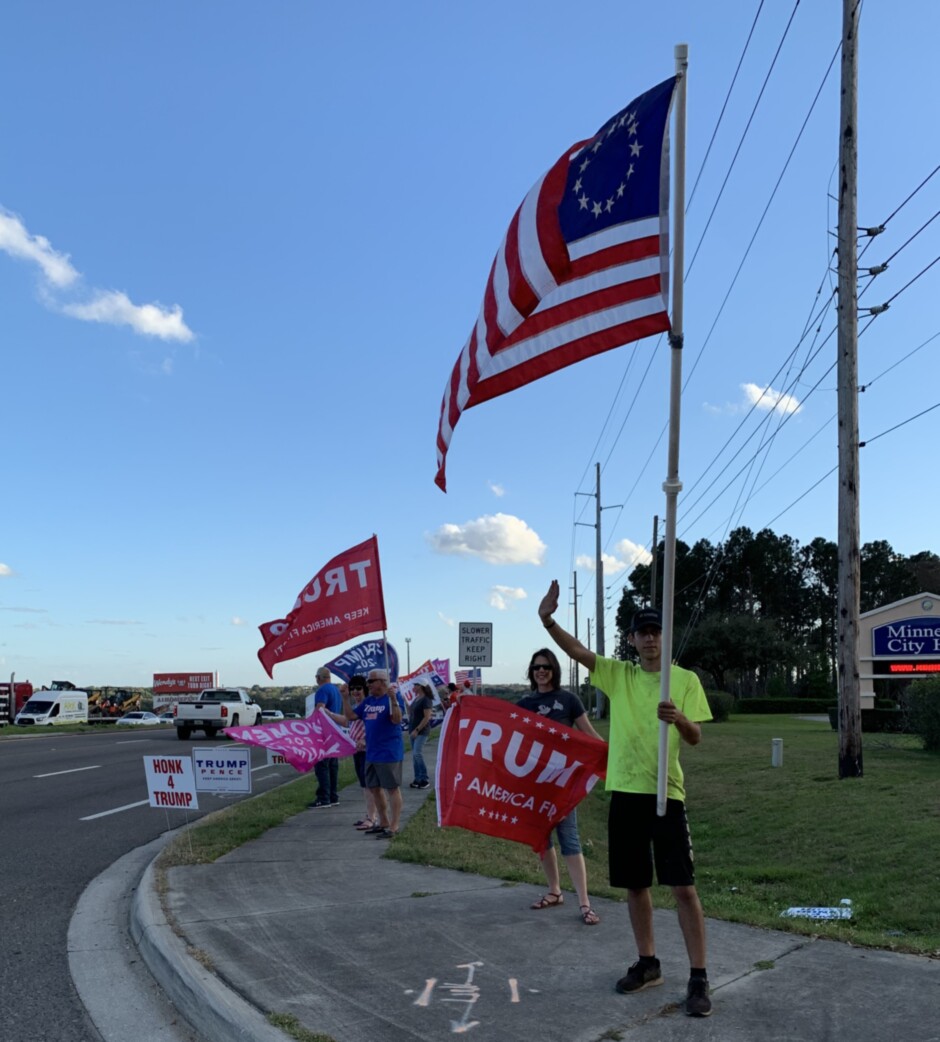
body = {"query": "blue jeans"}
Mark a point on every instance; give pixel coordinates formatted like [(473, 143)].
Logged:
[(567, 832), (327, 772), (417, 757)]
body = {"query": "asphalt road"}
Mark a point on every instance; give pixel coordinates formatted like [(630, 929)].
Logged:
[(71, 805)]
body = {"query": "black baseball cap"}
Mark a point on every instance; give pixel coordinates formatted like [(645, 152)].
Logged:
[(646, 617)]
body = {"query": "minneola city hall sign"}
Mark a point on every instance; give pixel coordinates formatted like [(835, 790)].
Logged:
[(899, 641)]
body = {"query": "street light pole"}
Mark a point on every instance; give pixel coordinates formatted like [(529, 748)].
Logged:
[(408, 652)]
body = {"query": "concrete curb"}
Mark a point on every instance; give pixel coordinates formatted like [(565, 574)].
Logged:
[(215, 1011)]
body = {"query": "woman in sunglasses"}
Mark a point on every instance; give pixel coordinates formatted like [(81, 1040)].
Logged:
[(549, 700)]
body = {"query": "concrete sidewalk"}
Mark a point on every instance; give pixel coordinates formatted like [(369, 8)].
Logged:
[(311, 921)]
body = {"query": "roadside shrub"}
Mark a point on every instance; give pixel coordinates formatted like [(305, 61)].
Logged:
[(720, 703), (922, 707), (783, 705)]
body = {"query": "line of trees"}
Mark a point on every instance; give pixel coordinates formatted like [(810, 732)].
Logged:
[(757, 613)]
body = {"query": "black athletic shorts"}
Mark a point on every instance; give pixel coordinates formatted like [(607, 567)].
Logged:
[(637, 837)]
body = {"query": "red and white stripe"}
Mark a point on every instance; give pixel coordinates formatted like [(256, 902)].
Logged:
[(549, 304)]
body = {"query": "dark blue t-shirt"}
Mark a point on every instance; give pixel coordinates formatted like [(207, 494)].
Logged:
[(384, 742)]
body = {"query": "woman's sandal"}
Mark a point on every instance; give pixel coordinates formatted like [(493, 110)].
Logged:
[(366, 823), (548, 900), (588, 916)]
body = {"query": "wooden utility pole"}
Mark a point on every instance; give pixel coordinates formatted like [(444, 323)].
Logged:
[(654, 591), (850, 715), (577, 679), (599, 572)]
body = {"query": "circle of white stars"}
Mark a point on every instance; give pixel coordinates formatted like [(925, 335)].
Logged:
[(597, 206)]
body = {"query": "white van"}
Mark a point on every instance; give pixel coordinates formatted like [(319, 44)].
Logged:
[(55, 707)]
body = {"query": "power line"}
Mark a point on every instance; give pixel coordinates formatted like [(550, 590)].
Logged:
[(897, 426), (884, 372), (721, 114), (803, 496), (747, 127)]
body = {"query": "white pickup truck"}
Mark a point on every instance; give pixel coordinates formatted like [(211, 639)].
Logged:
[(215, 708)]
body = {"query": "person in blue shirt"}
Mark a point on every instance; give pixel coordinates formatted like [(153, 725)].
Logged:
[(327, 695), (382, 713)]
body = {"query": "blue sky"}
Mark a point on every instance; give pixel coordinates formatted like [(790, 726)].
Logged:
[(241, 247)]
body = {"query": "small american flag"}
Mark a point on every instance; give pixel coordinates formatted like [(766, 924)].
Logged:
[(583, 267), (463, 675)]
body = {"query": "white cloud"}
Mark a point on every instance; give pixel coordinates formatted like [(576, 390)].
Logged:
[(497, 490), (5, 569), (629, 554), (19, 243), (116, 309), (501, 597), (114, 622), (768, 399), (238, 621), (448, 621), (109, 306), (496, 538)]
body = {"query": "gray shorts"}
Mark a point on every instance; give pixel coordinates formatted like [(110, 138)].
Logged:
[(383, 775)]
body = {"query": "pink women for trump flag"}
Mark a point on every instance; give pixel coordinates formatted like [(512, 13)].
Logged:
[(303, 743), (506, 772), (583, 267), (341, 601)]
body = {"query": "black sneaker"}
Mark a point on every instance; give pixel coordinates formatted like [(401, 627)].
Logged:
[(415, 785), (640, 976), (318, 803), (423, 785), (697, 1002)]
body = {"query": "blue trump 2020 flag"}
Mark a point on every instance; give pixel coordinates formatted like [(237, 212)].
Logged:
[(370, 654), (583, 267)]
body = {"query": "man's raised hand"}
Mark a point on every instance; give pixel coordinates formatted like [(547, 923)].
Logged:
[(549, 604)]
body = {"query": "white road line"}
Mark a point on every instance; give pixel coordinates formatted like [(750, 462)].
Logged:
[(117, 810), (74, 770)]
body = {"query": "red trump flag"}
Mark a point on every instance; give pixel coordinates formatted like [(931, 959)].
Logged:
[(341, 601), (506, 772)]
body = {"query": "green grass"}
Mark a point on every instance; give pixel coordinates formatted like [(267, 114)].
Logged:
[(14, 731), (765, 838)]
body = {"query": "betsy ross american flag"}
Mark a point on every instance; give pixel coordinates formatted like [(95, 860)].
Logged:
[(583, 267)]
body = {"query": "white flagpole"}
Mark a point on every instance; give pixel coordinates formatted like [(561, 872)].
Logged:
[(672, 484)]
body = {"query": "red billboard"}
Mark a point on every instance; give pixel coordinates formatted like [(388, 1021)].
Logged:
[(181, 683)]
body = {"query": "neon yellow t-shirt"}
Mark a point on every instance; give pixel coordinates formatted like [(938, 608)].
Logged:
[(634, 727)]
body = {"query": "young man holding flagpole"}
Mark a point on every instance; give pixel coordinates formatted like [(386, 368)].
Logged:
[(637, 834)]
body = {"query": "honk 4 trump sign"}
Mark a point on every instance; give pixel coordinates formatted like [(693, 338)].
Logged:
[(506, 772)]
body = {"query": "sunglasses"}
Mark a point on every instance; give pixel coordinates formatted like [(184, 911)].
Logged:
[(541, 666), (357, 688)]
